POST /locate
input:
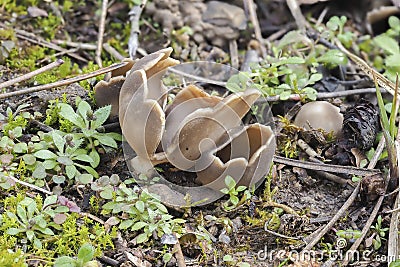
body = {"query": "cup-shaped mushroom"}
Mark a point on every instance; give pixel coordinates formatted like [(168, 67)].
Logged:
[(200, 131), (154, 64), (107, 93), (320, 115), (247, 158), (187, 101), (141, 117)]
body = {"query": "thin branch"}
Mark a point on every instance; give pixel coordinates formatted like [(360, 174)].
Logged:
[(29, 75), (249, 4), (367, 226), (101, 33), (134, 16), (63, 82), (296, 13), (31, 186), (347, 204), (325, 167)]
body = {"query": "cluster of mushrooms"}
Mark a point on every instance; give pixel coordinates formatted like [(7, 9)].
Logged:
[(195, 132)]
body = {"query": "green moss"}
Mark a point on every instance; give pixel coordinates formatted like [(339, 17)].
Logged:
[(24, 60), (74, 234), (19, 6), (63, 71), (49, 25), (7, 34), (9, 258)]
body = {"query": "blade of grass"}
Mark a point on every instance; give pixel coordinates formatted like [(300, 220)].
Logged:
[(394, 110), (384, 118)]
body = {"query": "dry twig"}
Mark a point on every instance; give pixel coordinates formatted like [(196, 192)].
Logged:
[(29, 75), (63, 82), (134, 16), (101, 33), (346, 205), (325, 167), (250, 6)]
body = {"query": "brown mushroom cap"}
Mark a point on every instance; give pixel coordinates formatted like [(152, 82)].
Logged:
[(154, 64), (320, 115), (246, 159), (201, 130), (142, 119), (107, 93)]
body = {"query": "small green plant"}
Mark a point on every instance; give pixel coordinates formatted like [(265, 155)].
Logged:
[(388, 43), (83, 259), (336, 26), (106, 186), (143, 212), (65, 160), (15, 121), (380, 233), (233, 191), (33, 219), (86, 123)]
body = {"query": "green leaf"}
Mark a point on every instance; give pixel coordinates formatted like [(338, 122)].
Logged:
[(59, 141), (30, 234), (140, 206), (89, 170), (138, 225), (387, 43), (39, 172), (68, 113), (142, 238), (290, 60), (393, 60), (65, 160), (83, 109), (13, 231), (45, 154), (394, 23), (85, 178), (227, 258), (65, 261), (106, 140), (125, 224), (85, 158), (285, 95), (241, 188), (29, 159), (86, 252), (230, 182), (107, 193), (47, 231), (115, 136), (101, 115), (20, 148), (167, 257), (21, 212), (70, 171), (315, 77), (49, 164), (50, 200), (95, 158), (234, 200), (334, 56)]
